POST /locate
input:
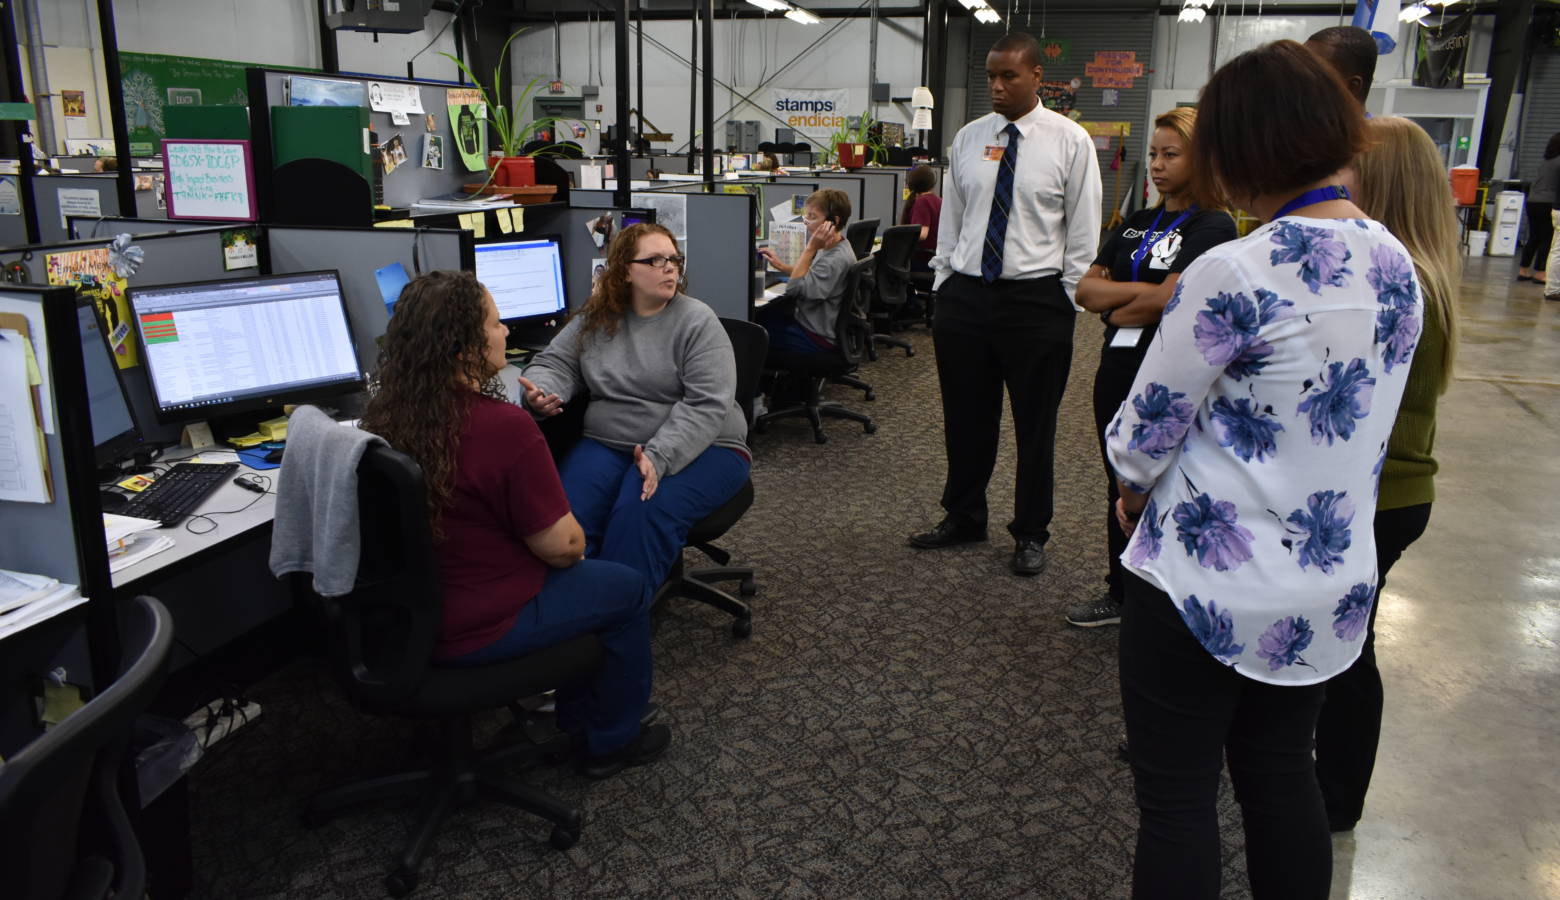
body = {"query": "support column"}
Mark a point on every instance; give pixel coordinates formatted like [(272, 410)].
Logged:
[(116, 107)]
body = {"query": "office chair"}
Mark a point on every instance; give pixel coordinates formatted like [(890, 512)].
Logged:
[(860, 234), (749, 343), (381, 639), (66, 830), (891, 283), (851, 337)]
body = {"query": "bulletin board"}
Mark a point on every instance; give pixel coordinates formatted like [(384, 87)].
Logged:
[(153, 82), (209, 180)]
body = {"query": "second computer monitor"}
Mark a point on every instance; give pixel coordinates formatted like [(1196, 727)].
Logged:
[(525, 277), (114, 431), (237, 345)]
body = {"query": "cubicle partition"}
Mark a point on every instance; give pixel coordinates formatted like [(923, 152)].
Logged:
[(571, 223), (358, 253), (50, 524), (409, 181), (13, 225), (167, 258), (716, 234), (881, 200), (110, 226), (59, 196)]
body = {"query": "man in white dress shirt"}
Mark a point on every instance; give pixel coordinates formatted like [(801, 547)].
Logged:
[(1020, 224)]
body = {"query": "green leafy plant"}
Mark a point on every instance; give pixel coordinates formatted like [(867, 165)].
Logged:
[(861, 132), (509, 123)]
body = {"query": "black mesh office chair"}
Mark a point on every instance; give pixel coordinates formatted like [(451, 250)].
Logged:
[(812, 370), (66, 833), (860, 235), (381, 640), (891, 285), (749, 343)]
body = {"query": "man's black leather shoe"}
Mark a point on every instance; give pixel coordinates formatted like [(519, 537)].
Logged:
[(1028, 558), (644, 749), (948, 533)]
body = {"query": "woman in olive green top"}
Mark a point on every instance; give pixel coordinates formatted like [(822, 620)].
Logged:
[(1401, 183)]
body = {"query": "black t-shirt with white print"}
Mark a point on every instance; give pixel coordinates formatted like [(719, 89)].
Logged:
[(1171, 254)]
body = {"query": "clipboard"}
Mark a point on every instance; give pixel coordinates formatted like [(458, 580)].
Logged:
[(18, 323)]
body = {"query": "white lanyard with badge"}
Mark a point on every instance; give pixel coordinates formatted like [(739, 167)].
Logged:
[(1128, 337)]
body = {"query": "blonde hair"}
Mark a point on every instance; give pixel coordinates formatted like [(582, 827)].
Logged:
[(1403, 185), (1182, 120)]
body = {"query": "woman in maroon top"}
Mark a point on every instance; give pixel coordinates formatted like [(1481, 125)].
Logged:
[(511, 555), (923, 208)]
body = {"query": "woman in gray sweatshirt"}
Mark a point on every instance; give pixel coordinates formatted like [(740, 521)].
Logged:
[(664, 438), (802, 319)]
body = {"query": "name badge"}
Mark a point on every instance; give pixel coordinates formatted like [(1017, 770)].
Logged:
[(994, 153), (1126, 338)]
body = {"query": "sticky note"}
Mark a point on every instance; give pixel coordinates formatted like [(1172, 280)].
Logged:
[(517, 217), (394, 223), (505, 223)]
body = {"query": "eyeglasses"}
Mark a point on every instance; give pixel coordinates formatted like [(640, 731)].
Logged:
[(660, 262)]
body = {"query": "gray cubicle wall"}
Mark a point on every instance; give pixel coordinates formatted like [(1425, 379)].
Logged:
[(46, 193), (881, 200), (409, 182), (109, 226), (720, 246), (169, 258), (13, 227), (357, 253)]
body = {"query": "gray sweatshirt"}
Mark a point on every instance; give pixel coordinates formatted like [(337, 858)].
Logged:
[(818, 294), (667, 381)]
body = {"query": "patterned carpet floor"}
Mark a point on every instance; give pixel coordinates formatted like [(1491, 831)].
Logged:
[(900, 723)]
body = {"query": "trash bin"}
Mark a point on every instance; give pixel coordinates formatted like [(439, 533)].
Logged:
[(1477, 242)]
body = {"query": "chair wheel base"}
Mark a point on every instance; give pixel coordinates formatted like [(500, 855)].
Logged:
[(820, 438), (870, 396), (400, 882), (748, 587), (311, 819), (869, 427), (563, 838), (909, 352), (741, 628)]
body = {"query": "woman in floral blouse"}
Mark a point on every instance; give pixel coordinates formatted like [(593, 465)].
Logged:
[(1248, 456)]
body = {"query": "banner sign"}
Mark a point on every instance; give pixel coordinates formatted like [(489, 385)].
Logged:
[(812, 112), (1441, 54)]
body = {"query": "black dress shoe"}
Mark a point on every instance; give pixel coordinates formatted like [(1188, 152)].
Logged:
[(644, 749), (1028, 558), (948, 533)]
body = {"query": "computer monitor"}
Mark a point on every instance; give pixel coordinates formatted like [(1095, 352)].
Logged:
[(785, 135), (240, 344), (524, 276), (114, 431)]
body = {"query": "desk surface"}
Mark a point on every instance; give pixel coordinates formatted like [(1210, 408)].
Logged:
[(227, 497)]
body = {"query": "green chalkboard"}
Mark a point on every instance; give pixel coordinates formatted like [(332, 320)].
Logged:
[(153, 82)]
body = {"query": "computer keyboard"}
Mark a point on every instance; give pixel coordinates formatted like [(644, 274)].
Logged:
[(177, 491)]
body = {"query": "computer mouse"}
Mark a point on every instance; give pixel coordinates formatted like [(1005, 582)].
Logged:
[(275, 456)]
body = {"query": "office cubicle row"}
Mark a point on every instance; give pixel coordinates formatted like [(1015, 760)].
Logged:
[(176, 257)]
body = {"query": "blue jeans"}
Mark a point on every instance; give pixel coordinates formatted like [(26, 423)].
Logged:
[(603, 486), (600, 711), (786, 335)]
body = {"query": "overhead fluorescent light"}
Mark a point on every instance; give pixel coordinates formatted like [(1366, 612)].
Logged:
[(771, 5), (802, 16), (988, 15), (972, 4), (1413, 13), (1191, 14)]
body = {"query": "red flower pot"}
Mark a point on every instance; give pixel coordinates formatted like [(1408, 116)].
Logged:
[(514, 171), (852, 156)]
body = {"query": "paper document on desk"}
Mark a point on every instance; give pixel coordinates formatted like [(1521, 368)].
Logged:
[(119, 531), (140, 547), (22, 588), (62, 598)]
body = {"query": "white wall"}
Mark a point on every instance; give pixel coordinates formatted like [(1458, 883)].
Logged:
[(747, 52)]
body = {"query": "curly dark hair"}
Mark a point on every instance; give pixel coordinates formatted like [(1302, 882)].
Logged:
[(612, 298), (921, 180), (432, 352), (1552, 149)]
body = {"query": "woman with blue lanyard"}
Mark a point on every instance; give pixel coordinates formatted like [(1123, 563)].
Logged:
[(1248, 454), (1128, 285)]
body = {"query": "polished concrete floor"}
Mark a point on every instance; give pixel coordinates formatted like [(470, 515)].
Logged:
[(1466, 797)]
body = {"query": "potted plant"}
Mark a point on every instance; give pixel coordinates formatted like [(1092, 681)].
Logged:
[(854, 144), (515, 168)]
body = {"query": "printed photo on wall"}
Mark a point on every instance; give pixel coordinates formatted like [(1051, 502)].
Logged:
[(240, 250), (74, 103), (392, 154), (433, 151)]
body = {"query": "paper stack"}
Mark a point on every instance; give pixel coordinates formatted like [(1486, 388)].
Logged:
[(26, 600), (130, 541)]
